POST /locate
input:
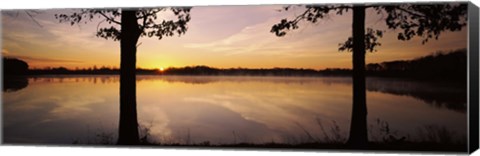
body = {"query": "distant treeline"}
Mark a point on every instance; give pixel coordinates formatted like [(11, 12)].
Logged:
[(189, 70), (87, 71), (205, 70), (450, 66)]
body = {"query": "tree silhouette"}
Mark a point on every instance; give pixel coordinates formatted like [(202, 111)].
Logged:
[(14, 71), (127, 26), (422, 20)]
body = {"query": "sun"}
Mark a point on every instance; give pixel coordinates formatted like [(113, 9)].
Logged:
[(162, 69)]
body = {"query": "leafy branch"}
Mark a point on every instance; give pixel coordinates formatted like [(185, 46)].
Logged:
[(148, 24)]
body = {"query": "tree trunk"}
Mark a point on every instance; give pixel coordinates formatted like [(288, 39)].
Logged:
[(358, 126), (128, 126)]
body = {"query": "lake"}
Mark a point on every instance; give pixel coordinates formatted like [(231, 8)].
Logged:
[(230, 109)]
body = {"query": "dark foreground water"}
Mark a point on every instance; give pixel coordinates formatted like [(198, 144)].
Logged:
[(225, 110)]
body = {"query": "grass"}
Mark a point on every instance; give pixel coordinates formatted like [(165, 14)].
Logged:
[(431, 138)]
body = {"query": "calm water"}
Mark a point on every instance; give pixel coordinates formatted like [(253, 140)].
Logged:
[(67, 109)]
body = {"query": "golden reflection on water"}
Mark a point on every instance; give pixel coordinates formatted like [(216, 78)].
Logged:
[(216, 109)]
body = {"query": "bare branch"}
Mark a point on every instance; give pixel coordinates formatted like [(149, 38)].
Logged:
[(98, 25), (33, 19), (109, 18), (311, 14), (153, 12), (411, 12)]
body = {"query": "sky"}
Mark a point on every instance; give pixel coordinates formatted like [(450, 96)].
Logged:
[(217, 36)]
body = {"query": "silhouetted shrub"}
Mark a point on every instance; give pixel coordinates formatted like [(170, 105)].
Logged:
[(13, 66)]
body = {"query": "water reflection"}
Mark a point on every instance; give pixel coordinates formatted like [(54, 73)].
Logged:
[(191, 109), (68, 78), (442, 95), (14, 83)]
